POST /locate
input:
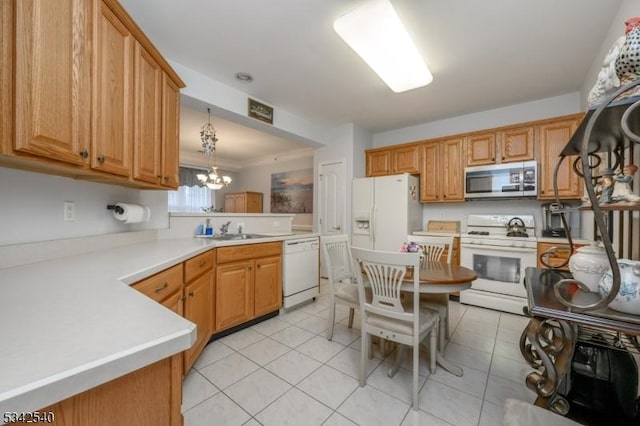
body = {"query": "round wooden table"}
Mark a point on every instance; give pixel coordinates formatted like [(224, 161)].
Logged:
[(441, 278)]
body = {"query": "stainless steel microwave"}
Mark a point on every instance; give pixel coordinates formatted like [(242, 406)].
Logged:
[(518, 179)]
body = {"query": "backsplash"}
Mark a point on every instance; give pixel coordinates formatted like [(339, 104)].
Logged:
[(32, 207)]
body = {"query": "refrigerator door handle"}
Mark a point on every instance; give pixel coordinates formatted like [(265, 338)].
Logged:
[(372, 225)]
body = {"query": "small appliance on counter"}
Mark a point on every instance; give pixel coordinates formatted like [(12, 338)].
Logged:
[(551, 220)]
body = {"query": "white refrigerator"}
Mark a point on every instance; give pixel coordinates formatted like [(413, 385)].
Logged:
[(384, 210)]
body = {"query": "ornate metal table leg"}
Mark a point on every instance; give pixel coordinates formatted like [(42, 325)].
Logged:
[(548, 345)]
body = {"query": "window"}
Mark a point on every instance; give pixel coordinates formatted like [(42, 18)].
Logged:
[(190, 196)]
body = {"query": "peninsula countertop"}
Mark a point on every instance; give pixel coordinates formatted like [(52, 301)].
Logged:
[(73, 323)]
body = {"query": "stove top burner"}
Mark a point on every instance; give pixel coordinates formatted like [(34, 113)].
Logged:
[(478, 232)]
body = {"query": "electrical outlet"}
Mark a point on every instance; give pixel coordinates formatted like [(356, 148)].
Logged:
[(69, 211)]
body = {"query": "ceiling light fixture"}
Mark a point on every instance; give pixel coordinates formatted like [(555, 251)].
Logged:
[(211, 178), (376, 33), (244, 77)]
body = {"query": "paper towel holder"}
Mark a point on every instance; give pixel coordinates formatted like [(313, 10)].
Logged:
[(116, 208)]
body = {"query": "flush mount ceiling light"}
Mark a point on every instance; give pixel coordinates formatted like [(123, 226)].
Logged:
[(211, 178), (244, 77), (376, 33)]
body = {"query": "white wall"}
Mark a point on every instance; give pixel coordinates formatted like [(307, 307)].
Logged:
[(513, 114), (628, 9), (258, 178), (32, 205)]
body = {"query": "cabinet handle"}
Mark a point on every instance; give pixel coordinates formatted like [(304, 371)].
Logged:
[(158, 176), (101, 159), (258, 265), (190, 294), (542, 191), (84, 154), (502, 158), (202, 263), (166, 177), (493, 159), (250, 267), (162, 287), (184, 299), (444, 196)]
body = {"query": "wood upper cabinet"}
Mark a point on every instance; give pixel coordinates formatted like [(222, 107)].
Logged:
[(441, 174), (516, 144), (501, 146), (481, 149), (113, 98), (86, 95), (389, 161), (170, 133), (147, 134), (553, 137), (52, 78), (243, 202), (268, 285)]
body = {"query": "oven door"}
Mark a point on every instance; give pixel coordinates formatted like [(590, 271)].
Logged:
[(499, 269)]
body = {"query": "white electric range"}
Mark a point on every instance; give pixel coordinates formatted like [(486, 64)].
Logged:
[(499, 260)]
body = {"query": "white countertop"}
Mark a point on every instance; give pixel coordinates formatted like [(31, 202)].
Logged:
[(70, 324)]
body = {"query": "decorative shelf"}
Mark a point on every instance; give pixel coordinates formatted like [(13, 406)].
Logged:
[(607, 135)]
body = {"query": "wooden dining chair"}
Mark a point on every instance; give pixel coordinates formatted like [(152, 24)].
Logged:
[(343, 289), (386, 315), (434, 249)]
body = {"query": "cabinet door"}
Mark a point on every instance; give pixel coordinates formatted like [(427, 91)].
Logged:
[(234, 294), (197, 309), (268, 285), (53, 79), (175, 303), (516, 144), (406, 159), (147, 141), (113, 100), (170, 133), (254, 202), (481, 149), (553, 137), (429, 178), (378, 163), (451, 161)]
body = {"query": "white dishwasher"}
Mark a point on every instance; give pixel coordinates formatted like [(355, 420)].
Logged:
[(301, 279)]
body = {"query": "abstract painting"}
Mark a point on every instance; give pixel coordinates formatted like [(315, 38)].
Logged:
[(292, 192)]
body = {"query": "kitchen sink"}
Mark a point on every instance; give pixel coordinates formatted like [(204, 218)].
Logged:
[(235, 237)]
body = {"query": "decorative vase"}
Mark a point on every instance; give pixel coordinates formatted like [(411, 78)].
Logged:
[(588, 264), (628, 298)]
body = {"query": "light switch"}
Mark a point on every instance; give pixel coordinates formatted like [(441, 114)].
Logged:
[(69, 211)]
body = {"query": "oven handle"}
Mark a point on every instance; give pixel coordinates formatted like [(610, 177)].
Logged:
[(499, 248)]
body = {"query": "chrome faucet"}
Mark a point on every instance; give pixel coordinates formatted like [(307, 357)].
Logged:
[(239, 229), (224, 229)]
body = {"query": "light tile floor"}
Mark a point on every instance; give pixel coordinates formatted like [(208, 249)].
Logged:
[(284, 371)]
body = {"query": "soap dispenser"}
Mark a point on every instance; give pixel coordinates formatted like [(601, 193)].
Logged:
[(208, 229)]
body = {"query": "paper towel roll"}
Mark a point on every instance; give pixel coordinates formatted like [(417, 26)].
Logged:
[(132, 213)]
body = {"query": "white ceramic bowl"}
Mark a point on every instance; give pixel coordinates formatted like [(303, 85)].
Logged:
[(628, 298), (588, 264)]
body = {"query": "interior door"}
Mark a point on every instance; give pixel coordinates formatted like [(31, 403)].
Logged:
[(331, 200)]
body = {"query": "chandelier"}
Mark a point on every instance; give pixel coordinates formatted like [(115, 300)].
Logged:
[(211, 178)]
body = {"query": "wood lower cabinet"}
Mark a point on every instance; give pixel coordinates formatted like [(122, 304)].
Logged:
[(268, 285), (556, 253), (243, 202), (198, 302), (234, 294), (553, 136), (441, 174), (150, 396), (248, 283)]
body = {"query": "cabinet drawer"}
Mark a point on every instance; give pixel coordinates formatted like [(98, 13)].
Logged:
[(248, 251), (197, 265), (162, 284)]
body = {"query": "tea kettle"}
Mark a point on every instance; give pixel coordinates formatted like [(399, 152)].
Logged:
[(516, 228)]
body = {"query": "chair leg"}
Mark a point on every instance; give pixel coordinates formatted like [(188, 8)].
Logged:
[(432, 346), (416, 357), (332, 318), (442, 334), (363, 348), (351, 313), (398, 361)]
